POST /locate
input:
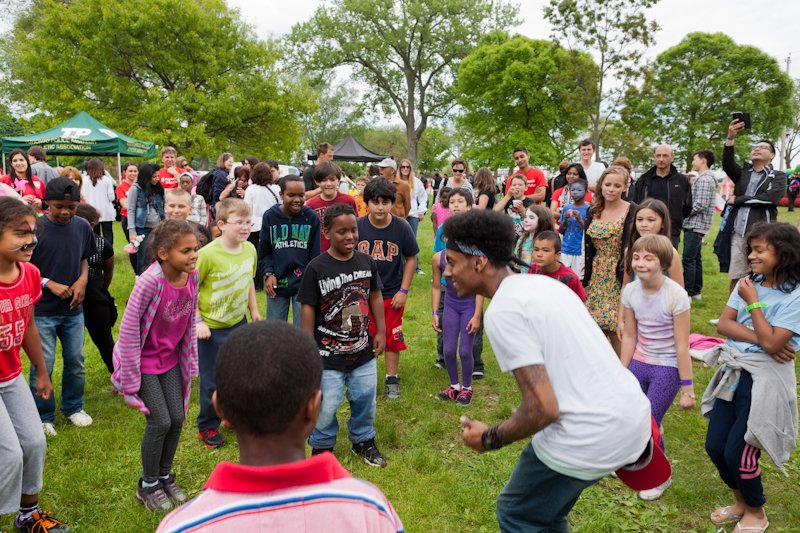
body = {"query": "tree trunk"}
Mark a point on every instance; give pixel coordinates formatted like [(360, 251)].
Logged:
[(413, 144)]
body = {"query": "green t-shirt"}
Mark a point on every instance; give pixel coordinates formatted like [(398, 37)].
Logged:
[(225, 279)]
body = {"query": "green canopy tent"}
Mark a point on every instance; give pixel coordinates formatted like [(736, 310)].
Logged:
[(81, 135)]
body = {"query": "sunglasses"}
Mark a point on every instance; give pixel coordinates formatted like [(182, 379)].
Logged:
[(458, 171), (405, 166)]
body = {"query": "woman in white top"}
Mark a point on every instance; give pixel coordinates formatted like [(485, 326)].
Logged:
[(419, 198), (260, 196), (98, 191)]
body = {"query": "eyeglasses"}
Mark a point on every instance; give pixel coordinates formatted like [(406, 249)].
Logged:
[(458, 171), (762, 147)]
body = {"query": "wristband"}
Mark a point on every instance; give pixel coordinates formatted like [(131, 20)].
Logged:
[(198, 320), (404, 291), (435, 312), (731, 138), (491, 440), (686, 382), (45, 281), (755, 305)]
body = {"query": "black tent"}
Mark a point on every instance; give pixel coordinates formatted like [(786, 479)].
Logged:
[(350, 149)]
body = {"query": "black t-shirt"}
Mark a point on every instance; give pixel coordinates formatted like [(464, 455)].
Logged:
[(95, 289), (388, 247), (309, 180), (58, 256), (339, 292), (659, 189), (492, 198)]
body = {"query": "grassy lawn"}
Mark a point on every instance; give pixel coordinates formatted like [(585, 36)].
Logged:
[(434, 482)]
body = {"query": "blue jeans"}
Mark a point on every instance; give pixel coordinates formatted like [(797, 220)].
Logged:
[(278, 309), (414, 223), (536, 498), (207, 351), (141, 264), (69, 330), (361, 384), (692, 262)]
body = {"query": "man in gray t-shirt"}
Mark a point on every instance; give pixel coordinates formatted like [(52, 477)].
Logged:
[(40, 167)]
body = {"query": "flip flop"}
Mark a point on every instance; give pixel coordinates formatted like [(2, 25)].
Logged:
[(757, 529), (727, 517)]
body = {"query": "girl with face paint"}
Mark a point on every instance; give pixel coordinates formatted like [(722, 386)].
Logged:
[(536, 220)]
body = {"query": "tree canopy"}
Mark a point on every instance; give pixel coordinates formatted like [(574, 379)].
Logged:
[(405, 51), (189, 74), (691, 90), (519, 91)]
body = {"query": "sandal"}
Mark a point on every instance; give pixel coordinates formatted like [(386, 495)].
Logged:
[(757, 529), (726, 517)]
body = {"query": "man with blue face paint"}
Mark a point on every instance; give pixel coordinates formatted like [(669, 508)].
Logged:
[(571, 226)]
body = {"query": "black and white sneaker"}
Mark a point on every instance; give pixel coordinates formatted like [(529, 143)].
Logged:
[(477, 374), (369, 452), (392, 384)]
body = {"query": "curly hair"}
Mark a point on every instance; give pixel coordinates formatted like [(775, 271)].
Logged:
[(335, 211), (489, 231), (165, 236), (785, 241)]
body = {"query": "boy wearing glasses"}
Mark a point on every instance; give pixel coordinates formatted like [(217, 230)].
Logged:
[(757, 190), (226, 267)]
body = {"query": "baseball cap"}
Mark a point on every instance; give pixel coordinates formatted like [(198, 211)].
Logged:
[(388, 162), (62, 188), (651, 469)]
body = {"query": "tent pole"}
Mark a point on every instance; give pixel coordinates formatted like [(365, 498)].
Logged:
[(3, 154), (57, 162), (119, 170)]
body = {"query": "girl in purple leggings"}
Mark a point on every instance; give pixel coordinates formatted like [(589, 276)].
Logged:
[(462, 318), (655, 344)]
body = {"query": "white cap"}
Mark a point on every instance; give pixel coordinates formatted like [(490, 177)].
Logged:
[(388, 162)]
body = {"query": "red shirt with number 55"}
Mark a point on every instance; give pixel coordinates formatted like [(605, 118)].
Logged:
[(16, 307)]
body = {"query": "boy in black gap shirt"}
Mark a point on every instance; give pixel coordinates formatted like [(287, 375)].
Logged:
[(390, 241), (339, 292), (62, 255)]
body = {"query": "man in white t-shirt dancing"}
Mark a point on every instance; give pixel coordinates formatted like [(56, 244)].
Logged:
[(587, 412)]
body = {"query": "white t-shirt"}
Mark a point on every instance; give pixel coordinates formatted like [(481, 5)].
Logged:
[(655, 318), (594, 172), (260, 198), (604, 418), (101, 196)]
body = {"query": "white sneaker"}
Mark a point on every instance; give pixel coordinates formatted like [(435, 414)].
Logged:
[(49, 429), (654, 494), (80, 419), (714, 321), (697, 297)]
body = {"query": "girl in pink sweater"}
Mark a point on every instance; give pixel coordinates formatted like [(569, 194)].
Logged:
[(156, 355)]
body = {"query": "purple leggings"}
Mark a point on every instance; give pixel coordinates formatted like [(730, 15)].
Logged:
[(457, 314), (659, 383)]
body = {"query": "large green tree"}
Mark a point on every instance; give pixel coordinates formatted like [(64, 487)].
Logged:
[(435, 147), (405, 51), (516, 90), (691, 89), (184, 72), (616, 33)]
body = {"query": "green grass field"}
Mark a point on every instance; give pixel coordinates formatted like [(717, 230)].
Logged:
[(435, 483)]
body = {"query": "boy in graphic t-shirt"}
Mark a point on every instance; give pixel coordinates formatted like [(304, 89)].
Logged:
[(340, 291), (390, 241), (170, 174), (572, 225), (226, 267), (327, 176)]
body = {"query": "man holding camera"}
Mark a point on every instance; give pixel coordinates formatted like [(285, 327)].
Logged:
[(758, 188)]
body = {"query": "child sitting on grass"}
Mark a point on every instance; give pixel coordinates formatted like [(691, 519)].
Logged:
[(269, 389), (547, 262)]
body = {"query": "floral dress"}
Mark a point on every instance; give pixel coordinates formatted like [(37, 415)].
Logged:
[(603, 292)]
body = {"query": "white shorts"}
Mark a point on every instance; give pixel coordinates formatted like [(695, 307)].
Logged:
[(575, 262)]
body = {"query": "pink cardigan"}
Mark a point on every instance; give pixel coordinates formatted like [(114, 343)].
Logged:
[(140, 312)]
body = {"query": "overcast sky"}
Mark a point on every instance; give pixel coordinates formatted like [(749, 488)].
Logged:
[(748, 22)]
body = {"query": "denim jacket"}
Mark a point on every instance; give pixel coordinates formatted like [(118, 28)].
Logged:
[(138, 206)]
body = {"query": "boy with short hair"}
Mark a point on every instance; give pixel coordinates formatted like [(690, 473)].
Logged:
[(269, 387), (288, 241), (572, 224), (226, 267), (341, 293), (326, 176), (546, 255), (62, 256), (169, 173), (358, 196), (390, 241), (178, 206)]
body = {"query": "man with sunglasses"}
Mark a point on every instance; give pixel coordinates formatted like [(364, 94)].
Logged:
[(758, 188), (459, 179)]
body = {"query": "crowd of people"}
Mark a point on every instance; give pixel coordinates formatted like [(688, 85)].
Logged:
[(342, 255)]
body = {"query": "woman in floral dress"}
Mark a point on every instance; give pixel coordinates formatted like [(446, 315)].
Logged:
[(608, 225)]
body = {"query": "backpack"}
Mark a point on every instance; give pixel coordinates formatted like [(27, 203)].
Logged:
[(205, 187)]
